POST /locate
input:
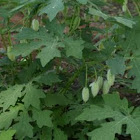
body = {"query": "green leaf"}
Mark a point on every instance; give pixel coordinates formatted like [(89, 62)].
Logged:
[(43, 118), (55, 27), (69, 116), (29, 34), (48, 78), (46, 134), (117, 65), (118, 116), (4, 61), (59, 134), (135, 71), (126, 22), (56, 99), (106, 132), (7, 117), (74, 47), (83, 1), (133, 128), (23, 127), (10, 96), (49, 52), (121, 20), (116, 103), (32, 96), (95, 112), (53, 7), (7, 135), (38, 39), (27, 73), (98, 13), (25, 49), (131, 45)]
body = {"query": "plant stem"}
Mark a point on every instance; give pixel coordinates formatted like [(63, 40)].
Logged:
[(3, 41), (71, 80), (86, 76)]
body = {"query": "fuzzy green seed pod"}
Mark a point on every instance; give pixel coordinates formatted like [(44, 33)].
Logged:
[(76, 23), (110, 78), (106, 87), (85, 94), (100, 81), (35, 24), (9, 54), (94, 88)]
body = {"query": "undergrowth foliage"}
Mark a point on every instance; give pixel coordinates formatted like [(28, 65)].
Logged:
[(61, 76)]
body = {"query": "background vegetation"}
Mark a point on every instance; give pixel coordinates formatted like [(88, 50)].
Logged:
[(69, 69)]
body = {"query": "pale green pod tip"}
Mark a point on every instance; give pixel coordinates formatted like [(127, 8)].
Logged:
[(94, 88), (9, 54), (35, 24), (100, 81), (85, 94), (110, 78), (106, 87)]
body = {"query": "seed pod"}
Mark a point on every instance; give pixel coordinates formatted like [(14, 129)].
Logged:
[(9, 54), (76, 23), (85, 94), (94, 88), (106, 87), (35, 24), (100, 81), (110, 78)]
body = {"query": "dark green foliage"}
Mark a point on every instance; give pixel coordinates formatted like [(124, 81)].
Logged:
[(43, 71)]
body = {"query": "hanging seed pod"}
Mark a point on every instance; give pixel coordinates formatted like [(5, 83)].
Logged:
[(94, 88), (100, 82), (110, 78), (35, 24), (85, 94), (9, 54), (106, 87)]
